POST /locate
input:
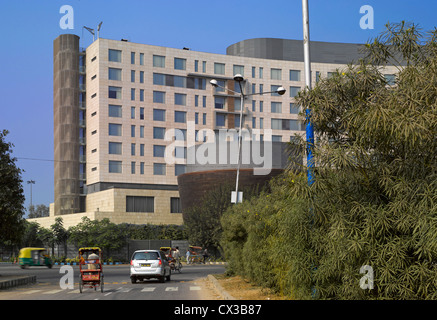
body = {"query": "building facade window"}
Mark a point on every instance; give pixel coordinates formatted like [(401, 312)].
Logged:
[(294, 91), (159, 61), (158, 151), (158, 133), (114, 92), (276, 74), (159, 169), (179, 169), (114, 129), (114, 111), (158, 115), (114, 74), (238, 70), (115, 166), (180, 64), (180, 99), (140, 204), (175, 205), (286, 124), (220, 120), (114, 55), (219, 68), (294, 75), (158, 97), (180, 116), (294, 108), (115, 147), (219, 102), (276, 107)]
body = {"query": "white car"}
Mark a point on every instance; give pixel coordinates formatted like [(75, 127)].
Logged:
[(147, 264)]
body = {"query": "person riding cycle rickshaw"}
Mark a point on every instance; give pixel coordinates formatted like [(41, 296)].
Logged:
[(90, 267), (173, 258), (195, 254)]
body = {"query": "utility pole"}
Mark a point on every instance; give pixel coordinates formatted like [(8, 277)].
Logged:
[(307, 65), (31, 182)]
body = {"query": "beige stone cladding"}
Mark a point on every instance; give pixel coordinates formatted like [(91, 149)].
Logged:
[(135, 76), (112, 204)]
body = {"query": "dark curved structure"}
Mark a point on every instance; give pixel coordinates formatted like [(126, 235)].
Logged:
[(292, 50), (199, 179), (194, 185)]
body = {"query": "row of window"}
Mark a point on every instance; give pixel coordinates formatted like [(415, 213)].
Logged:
[(159, 169), (219, 68), (115, 129), (158, 150), (147, 204), (180, 99)]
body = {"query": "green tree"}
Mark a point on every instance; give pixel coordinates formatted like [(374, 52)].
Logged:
[(60, 234), (203, 221), (11, 194), (373, 200), (30, 236), (39, 211), (103, 234)]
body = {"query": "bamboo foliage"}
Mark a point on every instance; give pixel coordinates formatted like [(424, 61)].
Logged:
[(374, 199)]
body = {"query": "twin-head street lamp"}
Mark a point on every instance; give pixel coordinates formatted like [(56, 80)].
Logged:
[(238, 196), (31, 182)]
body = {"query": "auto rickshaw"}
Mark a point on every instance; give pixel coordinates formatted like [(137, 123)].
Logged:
[(195, 254), (174, 265), (90, 267), (34, 257)]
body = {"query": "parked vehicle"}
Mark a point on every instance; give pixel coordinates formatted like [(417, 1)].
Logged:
[(148, 264), (90, 267), (34, 257)]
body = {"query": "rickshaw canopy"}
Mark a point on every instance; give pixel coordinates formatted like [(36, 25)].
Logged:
[(26, 252), (90, 249)]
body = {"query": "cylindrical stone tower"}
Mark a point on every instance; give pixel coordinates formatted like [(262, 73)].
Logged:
[(66, 123)]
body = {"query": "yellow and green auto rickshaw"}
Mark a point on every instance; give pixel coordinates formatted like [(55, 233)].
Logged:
[(34, 257)]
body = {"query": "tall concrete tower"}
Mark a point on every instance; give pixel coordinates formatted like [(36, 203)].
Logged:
[(66, 124)]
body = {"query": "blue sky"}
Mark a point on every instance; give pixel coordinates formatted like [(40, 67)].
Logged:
[(28, 28)]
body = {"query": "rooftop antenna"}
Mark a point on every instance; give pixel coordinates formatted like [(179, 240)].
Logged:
[(91, 31), (98, 29)]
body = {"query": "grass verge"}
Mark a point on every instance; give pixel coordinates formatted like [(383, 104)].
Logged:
[(241, 289)]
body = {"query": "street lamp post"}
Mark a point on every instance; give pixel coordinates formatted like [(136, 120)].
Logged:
[(31, 182), (307, 64), (239, 78)]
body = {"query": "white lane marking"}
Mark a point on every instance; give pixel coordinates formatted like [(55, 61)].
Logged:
[(151, 289), (194, 288), (171, 289)]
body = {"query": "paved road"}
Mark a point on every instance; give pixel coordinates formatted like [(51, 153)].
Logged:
[(188, 285)]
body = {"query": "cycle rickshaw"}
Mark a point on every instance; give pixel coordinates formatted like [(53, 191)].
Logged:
[(175, 265), (195, 254), (90, 267)]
